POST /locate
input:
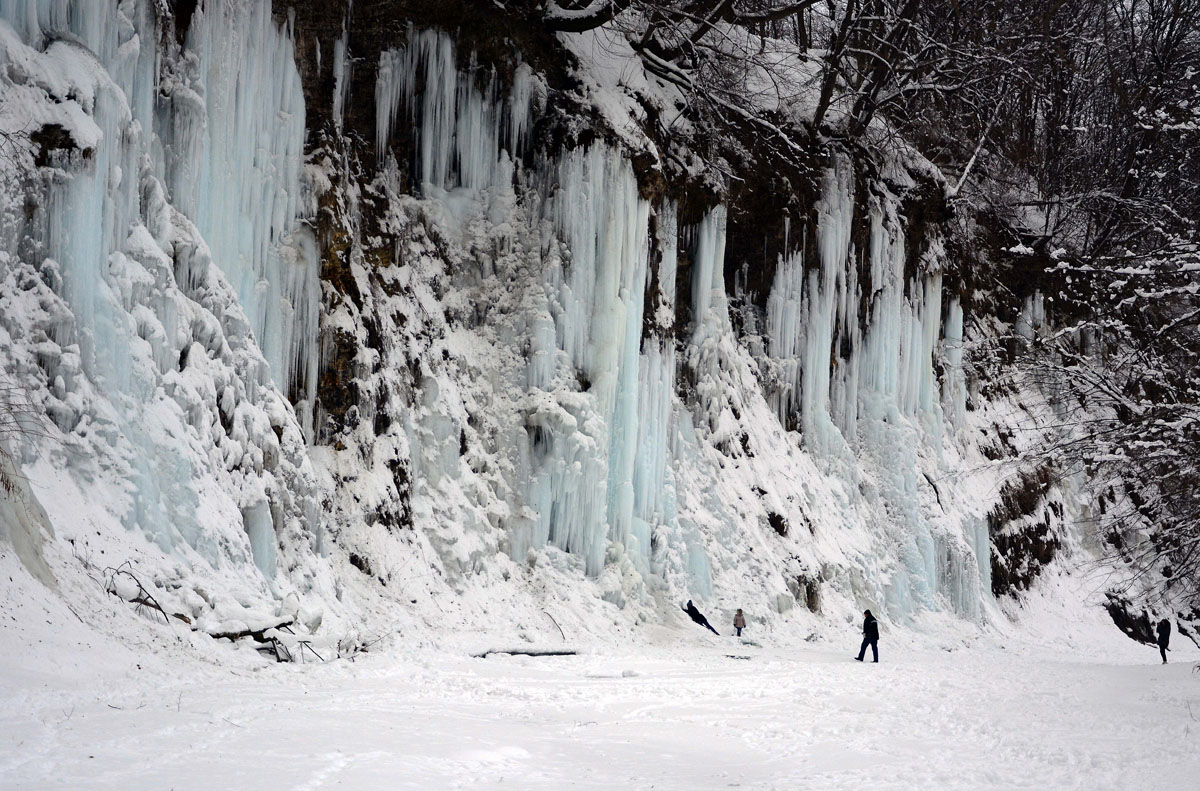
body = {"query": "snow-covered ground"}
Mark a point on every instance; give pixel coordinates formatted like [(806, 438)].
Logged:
[(684, 711)]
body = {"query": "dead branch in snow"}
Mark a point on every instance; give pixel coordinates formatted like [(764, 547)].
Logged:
[(527, 652)]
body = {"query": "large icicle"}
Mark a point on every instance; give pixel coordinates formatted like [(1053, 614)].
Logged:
[(653, 487), (835, 215), (586, 439), (237, 143)]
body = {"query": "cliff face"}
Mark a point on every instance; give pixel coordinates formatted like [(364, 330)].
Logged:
[(437, 302)]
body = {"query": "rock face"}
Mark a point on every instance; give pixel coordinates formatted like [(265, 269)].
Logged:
[(1026, 527), (440, 302)]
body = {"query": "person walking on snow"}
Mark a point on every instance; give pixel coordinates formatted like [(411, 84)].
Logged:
[(739, 622), (870, 637), (1164, 638), (699, 618)]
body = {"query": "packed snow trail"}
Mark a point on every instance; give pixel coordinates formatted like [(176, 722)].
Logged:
[(705, 716)]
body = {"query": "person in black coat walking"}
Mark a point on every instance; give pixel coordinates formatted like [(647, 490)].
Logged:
[(1164, 638), (698, 617), (870, 637)]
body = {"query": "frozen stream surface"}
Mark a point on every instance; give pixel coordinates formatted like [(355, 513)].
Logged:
[(716, 714)]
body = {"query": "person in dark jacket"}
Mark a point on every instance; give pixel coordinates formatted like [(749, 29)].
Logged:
[(1164, 638), (696, 616), (870, 637)]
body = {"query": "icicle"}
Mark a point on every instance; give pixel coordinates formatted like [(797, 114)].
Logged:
[(1032, 316), (786, 332), (240, 178), (520, 108), (821, 295), (586, 442), (261, 531), (653, 502), (462, 142), (709, 304), (341, 78), (956, 390)]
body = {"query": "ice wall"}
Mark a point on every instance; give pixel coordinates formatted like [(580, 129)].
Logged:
[(651, 448), (545, 360), (235, 142), (598, 409), (170, 285), (869, 400)]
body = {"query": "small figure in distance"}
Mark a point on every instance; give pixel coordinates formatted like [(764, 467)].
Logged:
[(739, 622), (696, 616), (870, 637), (1164, 638)]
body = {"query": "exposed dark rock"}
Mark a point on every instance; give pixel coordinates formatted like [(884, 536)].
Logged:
[(1022, 546), (54, 143), (361, 563), (182, 11), (396, 514), (1137, 626), (337, 386), (772, 213)]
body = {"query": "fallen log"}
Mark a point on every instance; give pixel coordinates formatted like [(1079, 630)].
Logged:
[(527, 652), (258, 634)]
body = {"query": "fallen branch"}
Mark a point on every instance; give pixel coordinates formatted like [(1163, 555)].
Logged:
[(143, 597), (305, 644), (560, 631), (289, 647), (259, 634), (528, 652)]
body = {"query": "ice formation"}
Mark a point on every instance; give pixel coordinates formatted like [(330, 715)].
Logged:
[(602, 410), (168, 292), (530, 393), (461, 127), (236, 143)]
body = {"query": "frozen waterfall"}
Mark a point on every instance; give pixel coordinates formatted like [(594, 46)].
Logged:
[(668, 436), (175, 177), (609, 426)]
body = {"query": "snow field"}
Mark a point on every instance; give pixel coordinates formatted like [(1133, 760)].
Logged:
[(685, 717)]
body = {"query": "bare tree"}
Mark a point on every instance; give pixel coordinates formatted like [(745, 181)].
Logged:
[(1111, 149)]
